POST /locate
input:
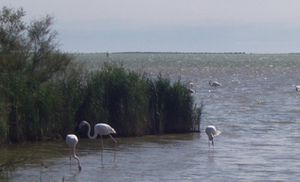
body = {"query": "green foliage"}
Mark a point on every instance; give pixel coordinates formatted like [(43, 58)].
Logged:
[(3, 121), (171, 106), (29, 59), (178, 109), (119, 97), (135, 105), (158, 92), (42, 96)]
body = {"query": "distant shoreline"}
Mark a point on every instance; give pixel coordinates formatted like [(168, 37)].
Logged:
[(149, 52)]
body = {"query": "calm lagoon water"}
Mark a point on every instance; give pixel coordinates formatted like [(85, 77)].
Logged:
[(257, 109)]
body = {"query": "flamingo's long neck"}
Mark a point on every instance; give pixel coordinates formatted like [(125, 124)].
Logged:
[(89, 132), (113, 139)]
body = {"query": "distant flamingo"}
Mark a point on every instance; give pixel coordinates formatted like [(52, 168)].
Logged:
[(191, 90), (212, 132), (72, 141), (99, 129), (214, 83)]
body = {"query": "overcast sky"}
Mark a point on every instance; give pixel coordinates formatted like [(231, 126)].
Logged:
[(258, 26)]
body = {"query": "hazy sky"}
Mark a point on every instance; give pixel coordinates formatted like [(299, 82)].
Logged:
[(259, 26)]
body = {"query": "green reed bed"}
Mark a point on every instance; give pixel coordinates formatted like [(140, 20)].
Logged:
[(135, 104)]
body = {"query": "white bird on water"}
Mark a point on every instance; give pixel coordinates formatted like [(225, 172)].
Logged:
[(214, 83), (212, 132), (297, 88), (99, 129), (72, 141), (190, 87)]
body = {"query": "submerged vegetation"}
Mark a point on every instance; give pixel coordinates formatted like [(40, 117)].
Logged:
[(44, 95)]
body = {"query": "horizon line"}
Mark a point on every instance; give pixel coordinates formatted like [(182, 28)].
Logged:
[(177, 52)]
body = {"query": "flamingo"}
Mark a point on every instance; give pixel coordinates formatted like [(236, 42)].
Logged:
[(214, 83), (212, 132), (99, 129), (191, 90), (72, 141)]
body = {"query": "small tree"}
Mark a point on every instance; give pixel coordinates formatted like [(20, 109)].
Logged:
[(29, 49), (29, 57)]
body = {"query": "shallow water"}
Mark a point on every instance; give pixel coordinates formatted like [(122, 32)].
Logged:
[(257, 109)]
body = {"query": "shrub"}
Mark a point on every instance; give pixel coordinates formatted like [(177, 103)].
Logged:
[(29, 59)]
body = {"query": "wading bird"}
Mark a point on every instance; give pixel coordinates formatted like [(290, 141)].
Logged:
[(99, 129), (214, 83), (72, 141), (190, 87), (212, 132)]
